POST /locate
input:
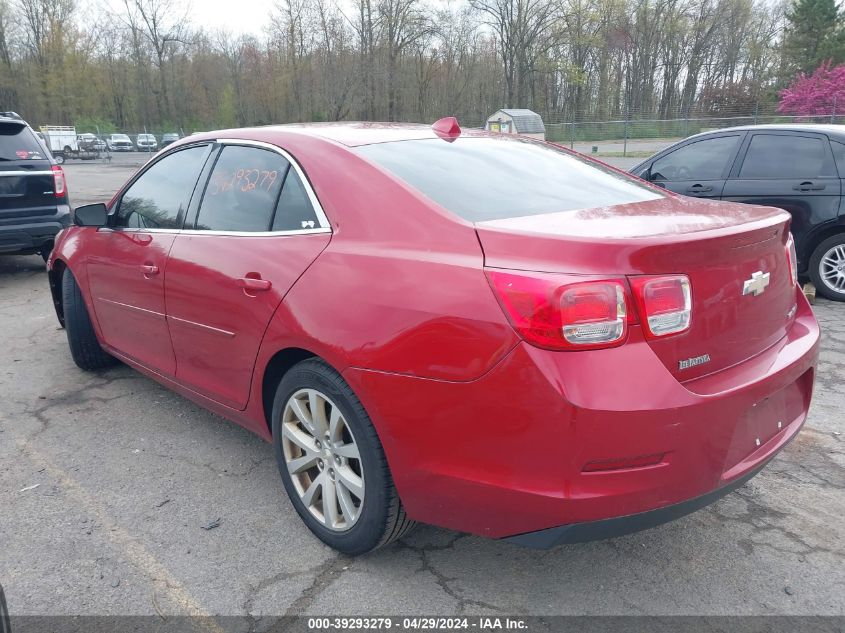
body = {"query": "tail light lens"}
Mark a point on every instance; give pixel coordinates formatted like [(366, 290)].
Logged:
[(792, 259), (59, 182), (562, 312), (665, 303)]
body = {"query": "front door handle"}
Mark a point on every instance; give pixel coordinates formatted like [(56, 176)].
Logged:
[(699, 189), (808, 186), (149, 269), (252, 284)]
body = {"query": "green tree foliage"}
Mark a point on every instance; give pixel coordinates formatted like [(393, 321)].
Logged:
[(815, 33)]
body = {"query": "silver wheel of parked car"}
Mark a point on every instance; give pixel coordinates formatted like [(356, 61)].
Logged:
[(827, 267), (323, 460), (833, 268)]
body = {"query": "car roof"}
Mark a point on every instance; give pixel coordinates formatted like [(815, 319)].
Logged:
[(351, 134), (825, 128)]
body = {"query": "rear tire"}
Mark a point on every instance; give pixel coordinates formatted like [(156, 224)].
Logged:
[(378, 518), (827, 268), (60, 159), (84, 346)]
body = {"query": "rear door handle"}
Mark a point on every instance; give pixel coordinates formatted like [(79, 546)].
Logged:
[(149, 269), (808, 186), (699, 189), (253, 284)]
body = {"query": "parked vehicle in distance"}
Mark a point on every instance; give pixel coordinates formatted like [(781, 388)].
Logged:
[(537, 348), (146, 143), (119, 143), (61, 140), (89, 142), (167, 139), (799, 168), (33, 196)]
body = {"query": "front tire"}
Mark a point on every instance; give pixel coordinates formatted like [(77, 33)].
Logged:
[(827, 268), (84, 346), (332, 463)]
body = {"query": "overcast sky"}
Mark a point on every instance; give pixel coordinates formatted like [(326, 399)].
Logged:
[(248, 16)]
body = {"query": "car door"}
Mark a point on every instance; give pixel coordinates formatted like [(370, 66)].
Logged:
[(697, 168), (127, 260), (257, 228), (794, 171)]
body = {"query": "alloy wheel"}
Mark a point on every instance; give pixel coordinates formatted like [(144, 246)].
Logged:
[(323, 460), (832, 268)]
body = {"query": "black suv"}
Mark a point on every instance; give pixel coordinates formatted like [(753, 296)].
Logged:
[(799, 168), (33, 195)]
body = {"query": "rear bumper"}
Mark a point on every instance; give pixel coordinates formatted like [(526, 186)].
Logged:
[(31, 234), (504, 455), (620, 526)]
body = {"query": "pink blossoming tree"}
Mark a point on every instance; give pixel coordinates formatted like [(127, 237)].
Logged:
[(822, 93)]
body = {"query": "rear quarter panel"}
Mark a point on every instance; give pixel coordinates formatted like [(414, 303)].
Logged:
[(401, 286)]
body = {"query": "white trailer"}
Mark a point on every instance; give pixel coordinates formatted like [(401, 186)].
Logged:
[(61, 141)]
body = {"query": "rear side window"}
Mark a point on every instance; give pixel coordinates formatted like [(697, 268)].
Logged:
[(781, 156), (294, 211), (158, 199), (17, 142), (243, 190), (483, 179), (702, 160), (252, 190), (839, 155)]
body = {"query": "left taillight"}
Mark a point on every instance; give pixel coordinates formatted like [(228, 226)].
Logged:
[(792, 259), (59, 184), (664, 302), (563, 312)]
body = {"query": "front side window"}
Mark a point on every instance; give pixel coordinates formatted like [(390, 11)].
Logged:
[(160, 196), (480, 178), (702, 160), (253, 190), (782, 156)]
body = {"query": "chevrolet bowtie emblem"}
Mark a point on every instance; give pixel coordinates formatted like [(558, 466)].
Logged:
[(757, 284)]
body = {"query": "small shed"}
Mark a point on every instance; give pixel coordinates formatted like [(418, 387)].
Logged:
[(516, 121)]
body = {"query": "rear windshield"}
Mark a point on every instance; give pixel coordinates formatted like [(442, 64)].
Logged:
[(17, 142), (483, 179)]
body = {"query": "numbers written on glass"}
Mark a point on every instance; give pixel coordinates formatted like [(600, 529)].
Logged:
[(244, 179)]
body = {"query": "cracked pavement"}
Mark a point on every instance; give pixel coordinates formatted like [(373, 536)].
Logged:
[(129, 474)]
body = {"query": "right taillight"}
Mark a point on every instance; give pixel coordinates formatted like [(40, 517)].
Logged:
[(563, 312), (59, 182), (664, 302)]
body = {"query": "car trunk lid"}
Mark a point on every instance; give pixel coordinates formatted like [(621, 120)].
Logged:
[(719, 246)]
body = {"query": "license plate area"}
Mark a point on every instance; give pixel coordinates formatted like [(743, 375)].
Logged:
[(765, 420)]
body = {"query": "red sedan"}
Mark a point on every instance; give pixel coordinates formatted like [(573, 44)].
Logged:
[(483, 332)]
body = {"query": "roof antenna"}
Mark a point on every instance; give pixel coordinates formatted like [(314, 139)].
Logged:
[(447, 128)]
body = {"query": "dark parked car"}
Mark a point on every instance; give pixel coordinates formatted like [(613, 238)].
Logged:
[(33, 196), (799, 168), (167, 139)]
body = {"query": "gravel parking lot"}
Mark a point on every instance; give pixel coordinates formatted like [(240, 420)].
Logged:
[(111, 485)]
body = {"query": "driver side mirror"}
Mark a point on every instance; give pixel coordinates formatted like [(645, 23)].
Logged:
[(91, 215)]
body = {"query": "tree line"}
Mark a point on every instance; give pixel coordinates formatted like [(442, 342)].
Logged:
[(147, 65)]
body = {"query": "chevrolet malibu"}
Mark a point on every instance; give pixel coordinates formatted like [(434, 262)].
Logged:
[(482, 332)]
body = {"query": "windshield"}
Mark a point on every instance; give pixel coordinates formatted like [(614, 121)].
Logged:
[(484, 178), (120, 137), (17, 142)]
